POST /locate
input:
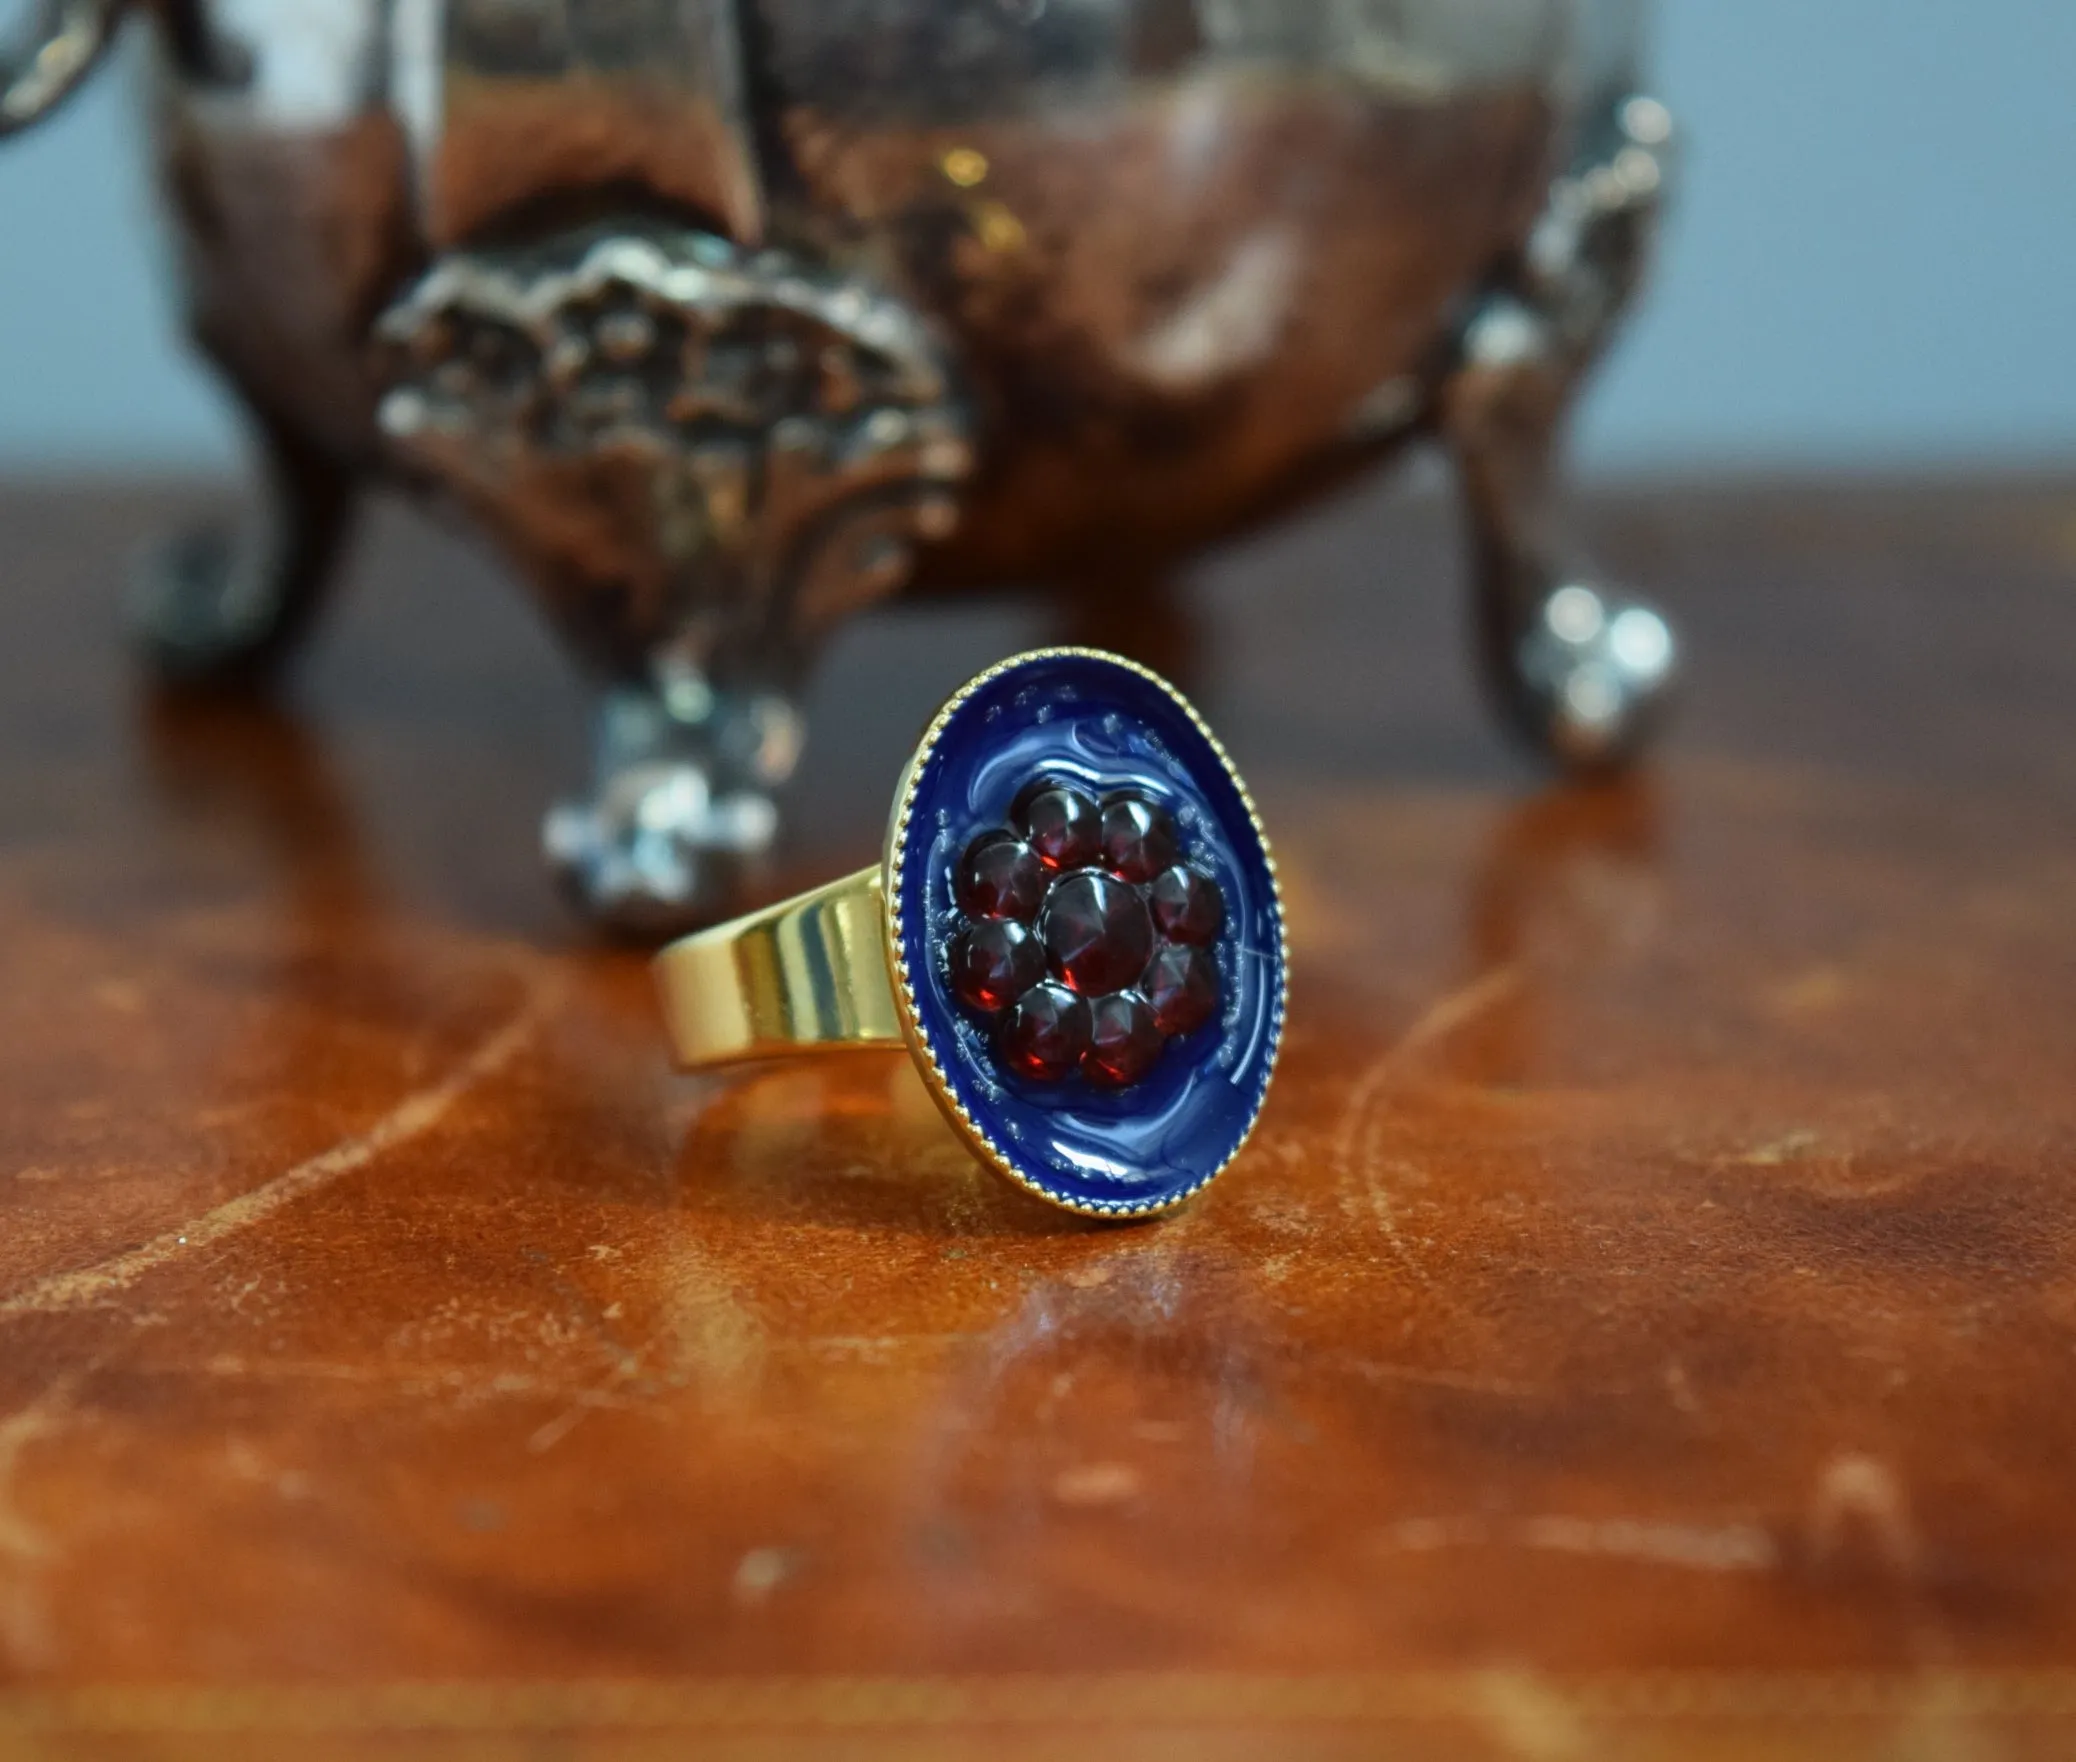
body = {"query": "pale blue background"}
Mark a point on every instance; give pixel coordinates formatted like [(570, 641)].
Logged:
[(1873, 260)]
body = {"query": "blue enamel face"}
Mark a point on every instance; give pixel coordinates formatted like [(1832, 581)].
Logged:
[(1100, 726)]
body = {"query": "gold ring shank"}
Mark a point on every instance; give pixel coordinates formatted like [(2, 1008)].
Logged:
[(808, 974)]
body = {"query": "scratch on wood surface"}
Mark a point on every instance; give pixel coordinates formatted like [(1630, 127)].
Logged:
[(877, 1348), (1438, 1021), (414, 1116), (1442, 1377), (18, 1536), (1090, 1485), (1733, 1547), (1355, 1159), (705, 1332), (1791, 1147), (1693, 1547), (548, 1434), (461, 1384), (1454, 1010), (25, 1550)]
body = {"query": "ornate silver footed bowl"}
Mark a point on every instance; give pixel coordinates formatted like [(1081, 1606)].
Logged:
[(724, 318)]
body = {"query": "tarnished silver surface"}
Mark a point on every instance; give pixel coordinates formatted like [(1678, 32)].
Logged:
[(511, 104), (719, 314)]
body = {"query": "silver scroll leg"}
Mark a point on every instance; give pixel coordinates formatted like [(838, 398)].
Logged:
[(224, 603), (1581, 670)]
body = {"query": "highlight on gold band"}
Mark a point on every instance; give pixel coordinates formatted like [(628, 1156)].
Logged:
[(806, 974)]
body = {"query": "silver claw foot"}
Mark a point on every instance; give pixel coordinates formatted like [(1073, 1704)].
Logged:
[(680, 818), (1579, 671), (221, 607)]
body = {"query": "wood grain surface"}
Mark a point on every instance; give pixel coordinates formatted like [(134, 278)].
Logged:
[(1644, 1325)]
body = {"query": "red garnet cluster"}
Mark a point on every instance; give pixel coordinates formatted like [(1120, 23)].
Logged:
[(1086, 941)]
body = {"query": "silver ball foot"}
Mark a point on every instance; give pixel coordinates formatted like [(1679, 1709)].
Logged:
[(658, 853), (680, 822), (194, 616), (1595, 675), (222, 604)]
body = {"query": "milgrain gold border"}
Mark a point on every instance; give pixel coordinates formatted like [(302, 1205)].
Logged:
[(912, 1029), (1126, 1699)]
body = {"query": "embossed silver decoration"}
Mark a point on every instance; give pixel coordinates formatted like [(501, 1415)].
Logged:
[(725, 445), (724, 317)]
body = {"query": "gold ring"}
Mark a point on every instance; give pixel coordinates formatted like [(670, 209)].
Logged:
[(1075, 931)]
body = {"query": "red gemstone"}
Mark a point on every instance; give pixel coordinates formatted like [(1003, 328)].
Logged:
[(1182, 987), (1001, 878), (1062, 826), (1187, 906), (1097, 932), (1044, 1036), (1123, 1041), (1138, 839), (994, 962)]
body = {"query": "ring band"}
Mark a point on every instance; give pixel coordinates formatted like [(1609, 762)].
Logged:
[(1075, 930), (808, 974)]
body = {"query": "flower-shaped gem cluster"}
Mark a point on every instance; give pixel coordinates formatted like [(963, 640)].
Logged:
[(1086, 940)]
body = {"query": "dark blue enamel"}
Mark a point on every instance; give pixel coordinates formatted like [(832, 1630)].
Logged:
[(1100, 725)]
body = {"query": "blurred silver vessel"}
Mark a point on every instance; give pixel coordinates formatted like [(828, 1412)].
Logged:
[(725, 317)]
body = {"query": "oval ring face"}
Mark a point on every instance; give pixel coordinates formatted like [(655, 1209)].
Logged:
[(1085, 933)]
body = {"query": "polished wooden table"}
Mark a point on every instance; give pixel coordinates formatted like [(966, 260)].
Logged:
[(1644, 1325)]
